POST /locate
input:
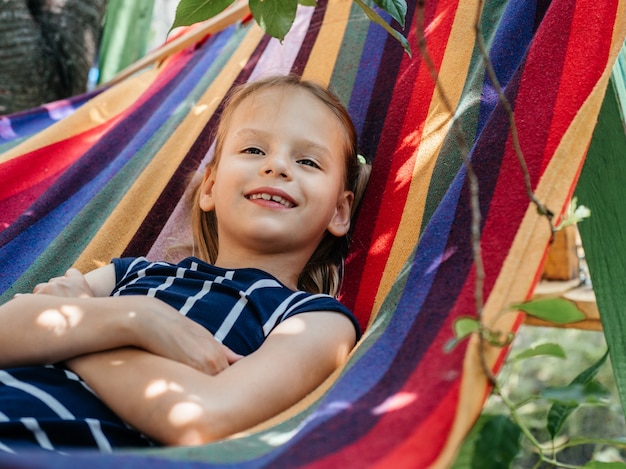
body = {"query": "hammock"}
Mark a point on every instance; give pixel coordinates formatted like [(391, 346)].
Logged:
[(111, 180)]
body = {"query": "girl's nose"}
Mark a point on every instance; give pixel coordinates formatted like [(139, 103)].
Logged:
[(276, 165)]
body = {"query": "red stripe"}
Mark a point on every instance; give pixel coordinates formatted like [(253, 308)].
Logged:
[(423, 446), (586, 60), (28, 176)]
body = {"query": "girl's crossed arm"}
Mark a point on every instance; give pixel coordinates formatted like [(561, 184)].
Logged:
[(71, 316), (178, 405)]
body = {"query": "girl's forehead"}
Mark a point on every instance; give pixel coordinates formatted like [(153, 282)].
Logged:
[(279, 101)]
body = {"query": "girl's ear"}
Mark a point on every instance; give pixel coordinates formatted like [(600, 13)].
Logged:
[(340, 223), (206, 202)]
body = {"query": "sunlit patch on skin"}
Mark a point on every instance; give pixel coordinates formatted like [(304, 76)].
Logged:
[(395, 402), (157, 388), (183, 413), (293, 326), (60, 320)]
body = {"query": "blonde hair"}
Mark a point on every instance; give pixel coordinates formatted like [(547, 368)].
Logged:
[(324, 270)]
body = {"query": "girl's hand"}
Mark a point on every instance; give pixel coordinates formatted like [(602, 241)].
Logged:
[(72, 285), (172, 335)]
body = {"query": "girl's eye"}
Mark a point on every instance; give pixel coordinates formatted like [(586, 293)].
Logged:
[(253, 151), (308, 162)]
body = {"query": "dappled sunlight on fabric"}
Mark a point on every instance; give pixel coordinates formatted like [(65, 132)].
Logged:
[(447, 254), (97, 116), (396, 402), (380, 245), (436, 22), (59, 109), (60, 320), (280, 438), (199, 109), (6, 130)]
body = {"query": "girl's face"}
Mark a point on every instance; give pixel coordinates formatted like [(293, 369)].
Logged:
[(279, 184)]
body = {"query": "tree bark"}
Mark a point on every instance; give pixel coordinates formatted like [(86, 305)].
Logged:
[(46, 49)]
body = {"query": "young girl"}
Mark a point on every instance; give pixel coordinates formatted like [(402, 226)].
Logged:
[(140, 353)]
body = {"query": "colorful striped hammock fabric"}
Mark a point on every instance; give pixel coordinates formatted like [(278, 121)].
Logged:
[(111, 179)]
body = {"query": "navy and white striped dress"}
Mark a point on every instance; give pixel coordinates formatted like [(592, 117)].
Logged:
[(50, 407)]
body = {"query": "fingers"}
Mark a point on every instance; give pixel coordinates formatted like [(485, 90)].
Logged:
[(231, 356), (72, 284)]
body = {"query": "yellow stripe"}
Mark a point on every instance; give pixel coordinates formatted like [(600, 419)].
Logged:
[(324, 54), (455, 64), (123, 223)]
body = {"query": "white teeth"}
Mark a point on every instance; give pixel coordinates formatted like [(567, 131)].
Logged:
[(275, 198)]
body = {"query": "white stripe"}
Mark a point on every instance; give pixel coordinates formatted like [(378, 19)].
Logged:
[(235, 312), (34, 391), (296, 305), (140, 273), (3, 417), (74, 377), (5, 448), (41, 437), (180, 273), (206, 288), (278, 312), (99, 436)]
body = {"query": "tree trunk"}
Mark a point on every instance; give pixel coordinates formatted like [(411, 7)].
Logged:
[(46, 49)]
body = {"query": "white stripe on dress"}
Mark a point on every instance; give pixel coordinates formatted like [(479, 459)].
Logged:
[(180, 273), (41, 436), (98, 435), (278, 312), (5, 448), (34, 391), (235, 312), (140, 273), (206, 288)]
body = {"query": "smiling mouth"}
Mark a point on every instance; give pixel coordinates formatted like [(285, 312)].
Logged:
[(273, 198)]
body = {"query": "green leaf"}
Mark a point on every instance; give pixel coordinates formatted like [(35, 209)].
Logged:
[(376, 18), (577, 393), (189, 12), (605, 465), (497, 444), (556, 310), (396, 8), (545, 349), (308, 3), (465, 326), (575, 214), (559, 412), (275, 17)]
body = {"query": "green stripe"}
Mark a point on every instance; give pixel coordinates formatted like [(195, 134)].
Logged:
[(349, 55), (451, 157)]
